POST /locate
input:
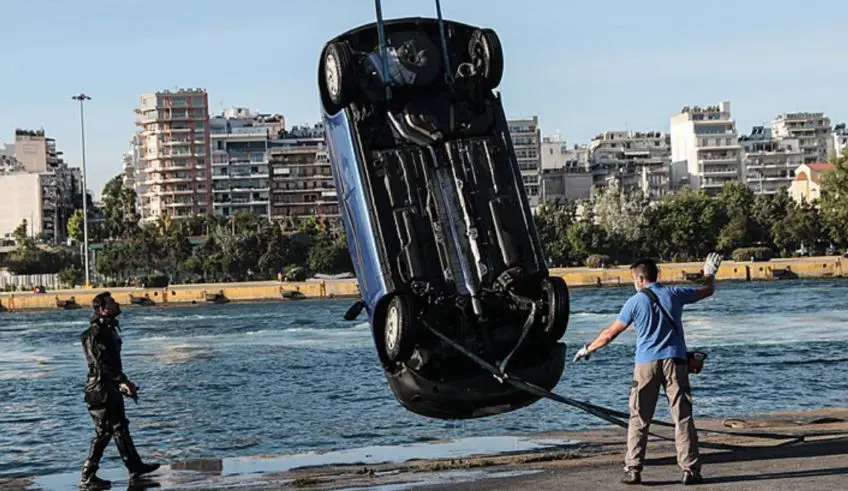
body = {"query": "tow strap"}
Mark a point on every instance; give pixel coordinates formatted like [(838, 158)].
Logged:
[(609, 415)]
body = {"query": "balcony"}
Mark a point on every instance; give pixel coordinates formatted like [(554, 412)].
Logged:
[(720, 173), (240, 133)]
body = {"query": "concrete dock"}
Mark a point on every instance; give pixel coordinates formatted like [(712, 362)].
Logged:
[(780, 269), (590, 460)]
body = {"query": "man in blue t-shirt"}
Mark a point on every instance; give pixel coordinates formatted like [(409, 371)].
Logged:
[(661, 361)]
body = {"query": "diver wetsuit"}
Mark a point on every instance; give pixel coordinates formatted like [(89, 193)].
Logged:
[(105, 401)]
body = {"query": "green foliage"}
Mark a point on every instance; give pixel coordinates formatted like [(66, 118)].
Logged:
[(747, 253), (71, 277), (834, 201)]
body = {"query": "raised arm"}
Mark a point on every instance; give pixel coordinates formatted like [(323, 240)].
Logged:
[(711, 266)]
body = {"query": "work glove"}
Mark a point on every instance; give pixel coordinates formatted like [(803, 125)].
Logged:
[(582, 354), (130, 390), (711, 264)]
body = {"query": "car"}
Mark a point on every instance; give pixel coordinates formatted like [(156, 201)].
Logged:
[(436, 217)]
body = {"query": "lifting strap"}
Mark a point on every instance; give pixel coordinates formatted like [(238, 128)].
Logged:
[(617, 418)]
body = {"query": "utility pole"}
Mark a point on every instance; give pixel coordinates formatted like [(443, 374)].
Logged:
[(82, 98)]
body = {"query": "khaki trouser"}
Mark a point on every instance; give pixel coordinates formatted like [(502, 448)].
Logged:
[(673, 375)]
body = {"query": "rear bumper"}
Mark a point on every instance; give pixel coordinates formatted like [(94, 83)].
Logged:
[(474, 397)]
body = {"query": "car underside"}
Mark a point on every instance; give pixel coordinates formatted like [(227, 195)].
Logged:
[(457, 243)]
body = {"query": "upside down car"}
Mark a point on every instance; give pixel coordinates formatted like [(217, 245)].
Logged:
[(437, 220)]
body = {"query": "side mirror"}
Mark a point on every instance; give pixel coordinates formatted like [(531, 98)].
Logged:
[(354, 310)]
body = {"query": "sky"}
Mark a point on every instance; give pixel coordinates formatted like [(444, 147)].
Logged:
[(582, 67)]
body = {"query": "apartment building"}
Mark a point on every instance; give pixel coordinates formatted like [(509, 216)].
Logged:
[(840, 139), (527, 139), (35, 163), (240, 161), (564, 184), (704, 144), (173, 175), (301, 178), (812, 130), (769, 163), (638, 160), (557, 155), (22, 200)]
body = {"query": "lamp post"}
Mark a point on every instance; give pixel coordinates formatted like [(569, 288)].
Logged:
[(82, 98)]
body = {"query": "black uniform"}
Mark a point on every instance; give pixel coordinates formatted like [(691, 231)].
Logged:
[(102, 347)]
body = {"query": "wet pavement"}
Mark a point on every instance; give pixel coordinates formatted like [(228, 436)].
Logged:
[(272, 471)]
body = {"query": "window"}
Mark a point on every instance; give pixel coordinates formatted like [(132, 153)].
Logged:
[(197, 100)]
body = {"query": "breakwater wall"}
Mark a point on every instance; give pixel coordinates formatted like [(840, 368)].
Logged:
[(803, 268)]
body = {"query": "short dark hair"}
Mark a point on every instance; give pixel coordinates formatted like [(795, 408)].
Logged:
[(100, 300), (647, 268)]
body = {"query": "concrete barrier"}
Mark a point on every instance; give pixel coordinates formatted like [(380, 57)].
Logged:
[(806, 268)]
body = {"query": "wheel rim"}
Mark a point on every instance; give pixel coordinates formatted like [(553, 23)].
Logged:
[(392, 328), (331, 74)]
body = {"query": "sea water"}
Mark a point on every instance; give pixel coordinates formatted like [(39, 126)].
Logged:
[(220, 381)]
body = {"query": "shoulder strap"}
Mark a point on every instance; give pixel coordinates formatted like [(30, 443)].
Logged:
[(656, 301)]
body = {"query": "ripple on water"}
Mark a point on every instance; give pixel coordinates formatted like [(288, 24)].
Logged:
[(242, 380)]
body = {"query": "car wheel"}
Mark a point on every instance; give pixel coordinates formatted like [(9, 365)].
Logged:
[(338, 79), (399, 328), (558, 302), (487, 56)]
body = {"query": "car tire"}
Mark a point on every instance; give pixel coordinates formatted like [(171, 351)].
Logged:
[(399, 328), (555, 292), (338, 77), (487, 57)]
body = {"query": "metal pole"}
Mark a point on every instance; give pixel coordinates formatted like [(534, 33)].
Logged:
[(81, 98)]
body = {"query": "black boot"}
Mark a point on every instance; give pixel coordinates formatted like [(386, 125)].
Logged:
[(130, 456), (89, 479)]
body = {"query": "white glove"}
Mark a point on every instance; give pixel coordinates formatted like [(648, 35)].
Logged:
[(711, 264), (582, 354)]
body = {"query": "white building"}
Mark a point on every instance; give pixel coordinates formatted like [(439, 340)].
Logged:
[(556, 155), (769, 163), (33, 153), (840, 139), (637, 160), (812, 130), (704, 143), (22, 200), (240, 171), (527, 139)]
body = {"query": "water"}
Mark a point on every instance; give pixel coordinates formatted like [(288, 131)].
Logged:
[(242, 380)]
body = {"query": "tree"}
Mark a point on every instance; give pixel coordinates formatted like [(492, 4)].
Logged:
[(623, 217), (76, 226), (834, 201), (552, 222), (687, 225), (801, 226), (738, 228), (119, 208), (23, 240)]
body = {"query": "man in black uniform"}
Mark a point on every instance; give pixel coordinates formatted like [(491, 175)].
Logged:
[(105, 388)]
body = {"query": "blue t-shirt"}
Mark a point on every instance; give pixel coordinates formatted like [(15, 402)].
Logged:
[(656, 339)]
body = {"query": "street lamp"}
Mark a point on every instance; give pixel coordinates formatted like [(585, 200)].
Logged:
[(81, 98)]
